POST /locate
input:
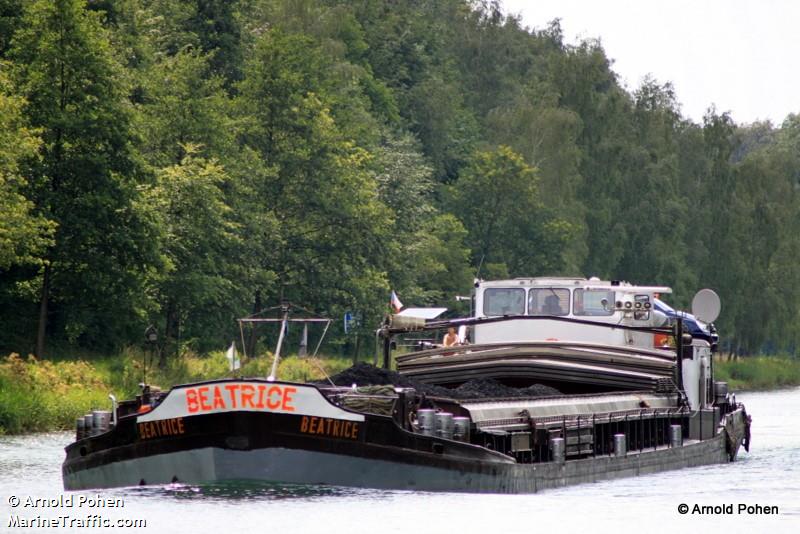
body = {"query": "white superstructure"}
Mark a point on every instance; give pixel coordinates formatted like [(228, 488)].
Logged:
[(594, 300), (575, 298)]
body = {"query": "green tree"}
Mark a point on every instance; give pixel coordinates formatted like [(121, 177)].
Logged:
[(428, 259), (183, 103), (85, 178), (9, 20), (198, 293), (312, 178), (654, 212), (763, 211), (497, 200), (217, 26), (24, 235), (408, 52)]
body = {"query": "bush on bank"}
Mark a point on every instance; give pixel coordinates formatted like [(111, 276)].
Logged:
[(43, 395), (759, 372)]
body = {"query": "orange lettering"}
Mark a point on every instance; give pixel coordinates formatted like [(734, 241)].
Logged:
[(191, 400), (287, 398), (261, 389), (272, 404), (160, 428), (219, 402), (247, 398), (331, 427), (202, 394), (231, 388)]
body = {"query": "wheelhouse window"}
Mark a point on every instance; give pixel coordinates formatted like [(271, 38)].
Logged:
[(504, 301), (548, 301), (594, 303)]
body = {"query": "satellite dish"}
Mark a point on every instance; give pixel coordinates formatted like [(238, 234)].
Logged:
[(706, 305)]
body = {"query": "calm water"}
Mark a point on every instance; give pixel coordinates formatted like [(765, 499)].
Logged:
[(30, 466)]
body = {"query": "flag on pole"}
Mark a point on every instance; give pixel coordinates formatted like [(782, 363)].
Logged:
[(233, 359), (395, 302)]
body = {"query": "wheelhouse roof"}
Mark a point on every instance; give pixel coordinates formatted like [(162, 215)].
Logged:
[(586, 283)]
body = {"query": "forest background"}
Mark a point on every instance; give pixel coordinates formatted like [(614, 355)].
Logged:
[(184, 163)]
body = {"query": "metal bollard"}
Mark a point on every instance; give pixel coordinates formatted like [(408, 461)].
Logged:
[(675, 436), (80, 428), (425, 420), (88, 428), (101, 421), (461, 428), (620, 445), (557, 449), (444, 425)]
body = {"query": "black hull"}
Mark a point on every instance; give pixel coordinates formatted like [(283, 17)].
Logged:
[(299, 466), (375, 453)]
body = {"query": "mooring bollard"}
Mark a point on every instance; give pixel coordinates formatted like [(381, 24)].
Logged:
[(675, 436), (425, 420), (557, 452), (620, 445)]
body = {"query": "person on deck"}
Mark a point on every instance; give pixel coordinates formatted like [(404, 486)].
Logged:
[(451, 338)]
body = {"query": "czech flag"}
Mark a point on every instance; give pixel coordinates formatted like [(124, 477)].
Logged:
[(395, 302)]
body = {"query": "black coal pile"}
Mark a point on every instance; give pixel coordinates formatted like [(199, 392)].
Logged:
[(364, 374), (484, 388)]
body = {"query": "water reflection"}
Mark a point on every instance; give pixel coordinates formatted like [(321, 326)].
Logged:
[(247, 490)]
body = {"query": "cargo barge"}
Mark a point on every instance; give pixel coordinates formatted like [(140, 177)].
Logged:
[(636, 387)]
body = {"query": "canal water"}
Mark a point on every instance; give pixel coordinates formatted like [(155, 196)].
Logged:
[(767, 477)]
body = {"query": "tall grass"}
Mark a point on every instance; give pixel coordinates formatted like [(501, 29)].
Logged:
[(40, 395), (759, 372)]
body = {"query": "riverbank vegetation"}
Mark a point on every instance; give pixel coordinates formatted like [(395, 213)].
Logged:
[(758, 372), (184, 163)]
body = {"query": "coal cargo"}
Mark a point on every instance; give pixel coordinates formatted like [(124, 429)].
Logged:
[(364, 374)]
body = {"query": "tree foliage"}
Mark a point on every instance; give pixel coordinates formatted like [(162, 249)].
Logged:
[(84, 179), (497, 199), (24, 235), (185, 162)]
